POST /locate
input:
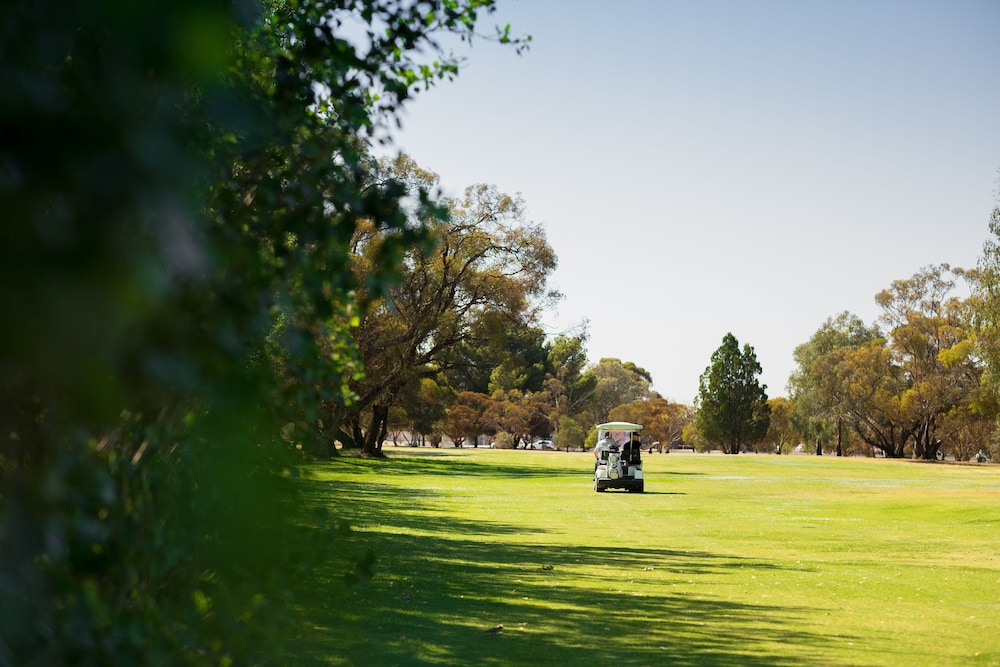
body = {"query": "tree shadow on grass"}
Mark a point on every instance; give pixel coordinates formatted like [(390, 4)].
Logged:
[(437, 595), (447, 464), (439, 585), (365, 505)]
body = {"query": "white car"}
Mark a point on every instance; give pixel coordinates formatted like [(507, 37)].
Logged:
[(541, 444)]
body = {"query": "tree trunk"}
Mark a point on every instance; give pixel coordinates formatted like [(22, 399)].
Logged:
[(840, 437), (375, 436), (924, 446)]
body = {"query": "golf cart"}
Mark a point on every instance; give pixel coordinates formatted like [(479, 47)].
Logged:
[(618, 464)]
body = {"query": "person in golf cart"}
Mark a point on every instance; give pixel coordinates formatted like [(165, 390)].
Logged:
[(631, 447), (604, 445)]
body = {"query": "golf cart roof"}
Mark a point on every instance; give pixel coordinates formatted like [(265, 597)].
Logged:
[(619, 426)]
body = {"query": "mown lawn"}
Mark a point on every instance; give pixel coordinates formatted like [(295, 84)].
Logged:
[(725, 560)]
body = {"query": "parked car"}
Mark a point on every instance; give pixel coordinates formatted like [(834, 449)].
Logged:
[(541, 444)]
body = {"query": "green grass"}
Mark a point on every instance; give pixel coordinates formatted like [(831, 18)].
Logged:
[(725, 560)]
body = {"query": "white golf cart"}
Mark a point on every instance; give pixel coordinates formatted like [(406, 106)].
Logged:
[(618, 464)]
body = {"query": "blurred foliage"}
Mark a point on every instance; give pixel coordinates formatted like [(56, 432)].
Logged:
[(180, 182)]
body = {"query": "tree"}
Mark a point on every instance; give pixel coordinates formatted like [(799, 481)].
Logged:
[(426, 407), (985, 305), (732, 404), (662, 420), (864, 384), (931, 344), (781, 432), (571, 434), (494, 339), (892, 392), (567, 359), (467, 418), (816, 418), (692, 436), (510, 412), (617, 384), (180, 182), (966, 429), (484, 260)]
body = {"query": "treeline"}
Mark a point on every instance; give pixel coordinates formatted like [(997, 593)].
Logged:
[(919, 382), (567, 413)]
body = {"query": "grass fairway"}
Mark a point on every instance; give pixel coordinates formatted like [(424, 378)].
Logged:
[(725, 560)]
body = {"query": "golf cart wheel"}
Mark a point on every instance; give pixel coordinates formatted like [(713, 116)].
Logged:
[(598, 487)]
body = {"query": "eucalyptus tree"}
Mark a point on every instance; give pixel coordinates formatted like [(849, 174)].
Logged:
[(896, 392), (930, 339), (468, 418), (864, 385), (814, 414), (985, 305), (732, 404), (617, 384), (782, 434), (568, 384), (482, 259), (663, 421), (984, 312)]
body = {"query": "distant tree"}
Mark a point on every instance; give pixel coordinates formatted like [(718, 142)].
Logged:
[(864, 385), (732, 404), (966, 429), (571, 434), (426, 406), (816, 418), (781, 432), (617, 384), (467, 418), (985, 306), (509, 412), (662, 420), (538, 405), (567, 361), (692, 436), (931, 344)]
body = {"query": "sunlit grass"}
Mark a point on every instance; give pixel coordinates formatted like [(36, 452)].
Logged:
[(725, 560)]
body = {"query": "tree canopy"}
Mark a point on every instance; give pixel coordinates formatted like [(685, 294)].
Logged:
[(478, 280), (732, 404)]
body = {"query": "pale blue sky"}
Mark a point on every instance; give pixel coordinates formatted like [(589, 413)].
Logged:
[(713, 167)]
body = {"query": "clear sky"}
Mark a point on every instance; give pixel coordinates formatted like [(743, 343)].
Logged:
[(752, 167)]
